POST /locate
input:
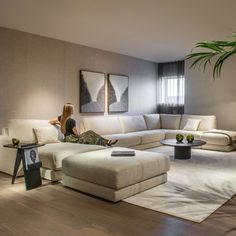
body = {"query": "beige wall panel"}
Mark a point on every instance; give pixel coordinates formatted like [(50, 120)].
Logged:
[(142, 75), (38, 75), (204, 96), (45, 77), (13, 75)]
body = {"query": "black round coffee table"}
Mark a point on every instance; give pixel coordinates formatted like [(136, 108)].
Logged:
[(182, 149)]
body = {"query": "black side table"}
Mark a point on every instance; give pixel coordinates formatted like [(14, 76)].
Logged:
[(31, 171)]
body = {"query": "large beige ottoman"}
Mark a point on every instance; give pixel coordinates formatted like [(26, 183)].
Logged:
[(114, 178)]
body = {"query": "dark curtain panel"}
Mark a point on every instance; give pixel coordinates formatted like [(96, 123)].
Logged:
[(171, 69), (171, 87), (170, 109)]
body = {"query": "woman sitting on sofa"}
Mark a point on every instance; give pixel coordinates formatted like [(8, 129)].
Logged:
[(68, 128)]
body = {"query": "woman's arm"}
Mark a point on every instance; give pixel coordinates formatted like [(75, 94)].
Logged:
[(54, 121), (75, 131)]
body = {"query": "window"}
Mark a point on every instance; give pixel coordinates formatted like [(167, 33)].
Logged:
[(171, 87), (172, 91)]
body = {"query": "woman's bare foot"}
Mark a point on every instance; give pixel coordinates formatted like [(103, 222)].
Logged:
[(112, 142)]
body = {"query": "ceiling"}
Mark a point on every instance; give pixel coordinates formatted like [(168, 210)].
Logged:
[(155, 30)]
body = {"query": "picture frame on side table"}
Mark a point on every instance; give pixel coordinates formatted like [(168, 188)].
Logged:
[(118, 93), (31, 157)]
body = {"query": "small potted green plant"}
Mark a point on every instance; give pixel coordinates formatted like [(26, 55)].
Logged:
[(190, 138), (15, 142), (179, 138)]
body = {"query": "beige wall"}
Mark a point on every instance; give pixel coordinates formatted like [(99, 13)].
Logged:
[(205, 96), (38, 75)]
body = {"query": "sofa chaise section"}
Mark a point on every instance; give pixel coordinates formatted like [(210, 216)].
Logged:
[(51, 154)]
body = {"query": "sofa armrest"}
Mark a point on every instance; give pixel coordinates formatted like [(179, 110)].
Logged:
[(7, 156)]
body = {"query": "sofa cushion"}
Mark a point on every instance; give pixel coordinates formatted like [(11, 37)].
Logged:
[(52, 154), (170, 121), (125, 140), (101, 124), (150, 136), (23, 129), (101, 168), (216, 139), (207, 122), (45, 135), (132, 123), (152, 121), (192, 124), (219, 137), (169, 134)]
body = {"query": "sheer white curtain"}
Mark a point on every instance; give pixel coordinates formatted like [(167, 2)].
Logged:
[(171, 87)]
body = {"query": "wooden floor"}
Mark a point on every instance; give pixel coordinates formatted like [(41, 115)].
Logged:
[(55, 210)]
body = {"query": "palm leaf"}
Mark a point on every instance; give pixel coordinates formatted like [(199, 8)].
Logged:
[(220, 49), (211, 46), (201, 57), (219, 63)]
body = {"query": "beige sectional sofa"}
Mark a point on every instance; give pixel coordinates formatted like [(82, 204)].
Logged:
[(137, 132)]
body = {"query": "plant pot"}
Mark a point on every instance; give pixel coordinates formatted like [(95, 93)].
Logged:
[(190, 138), (179, 138), (15, 141)]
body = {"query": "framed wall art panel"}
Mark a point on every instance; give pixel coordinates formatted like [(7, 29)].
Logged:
[(118, 88), (92, 92)]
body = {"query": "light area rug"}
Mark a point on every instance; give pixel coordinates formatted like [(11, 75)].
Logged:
[(195, 188)]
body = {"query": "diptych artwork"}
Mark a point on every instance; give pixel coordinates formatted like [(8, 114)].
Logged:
[(92, 92), (118, 86)]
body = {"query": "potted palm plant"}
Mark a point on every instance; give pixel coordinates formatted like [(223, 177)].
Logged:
[(219, 50)]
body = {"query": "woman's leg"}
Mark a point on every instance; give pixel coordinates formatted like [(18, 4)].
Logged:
[(90, 137), (73, 139)]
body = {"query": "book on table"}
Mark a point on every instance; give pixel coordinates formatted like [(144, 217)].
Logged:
[(123, 153)]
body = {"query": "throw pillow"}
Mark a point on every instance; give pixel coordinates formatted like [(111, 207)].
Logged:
[(192, 124), (46, 135)]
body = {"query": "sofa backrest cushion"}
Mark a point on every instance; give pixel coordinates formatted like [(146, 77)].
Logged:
[(170, 121), (132, 123), (152, 121), (101, 124), (45, 135), (206, 123), (23, 129)]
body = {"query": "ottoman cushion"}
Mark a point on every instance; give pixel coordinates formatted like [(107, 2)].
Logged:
[(101, 168)]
